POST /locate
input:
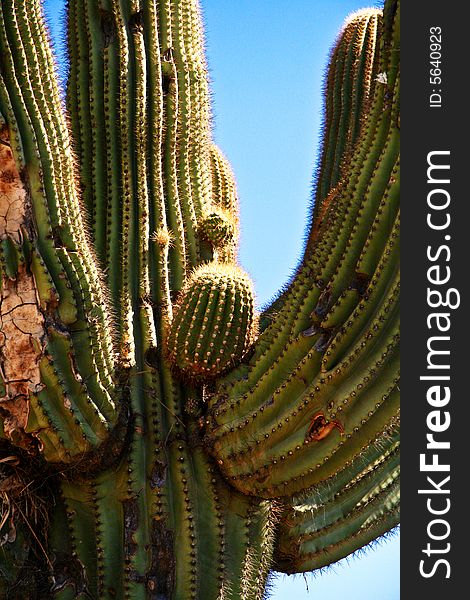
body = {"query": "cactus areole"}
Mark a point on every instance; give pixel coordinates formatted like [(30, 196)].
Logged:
[(159, 439)]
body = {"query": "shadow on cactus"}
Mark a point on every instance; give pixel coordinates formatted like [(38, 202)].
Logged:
[(158, 438)]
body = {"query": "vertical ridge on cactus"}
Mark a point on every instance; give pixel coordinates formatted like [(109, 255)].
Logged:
[(181, 452)]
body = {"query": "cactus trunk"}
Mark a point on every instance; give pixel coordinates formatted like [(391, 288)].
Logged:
[(158, 438)]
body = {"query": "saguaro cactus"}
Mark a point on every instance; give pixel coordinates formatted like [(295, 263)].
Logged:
[(159, 439)]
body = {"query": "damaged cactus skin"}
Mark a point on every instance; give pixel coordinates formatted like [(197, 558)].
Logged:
[(158, 438)]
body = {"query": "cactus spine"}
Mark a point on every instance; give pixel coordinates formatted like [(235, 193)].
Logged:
[(174, 450)]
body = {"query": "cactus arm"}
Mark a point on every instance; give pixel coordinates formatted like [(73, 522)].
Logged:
[(79, 113), (170, 60), (115, 189), (161, 240), (170, 87), (349, 89), (350, 86), (127, 183), (224, 194), (301, 366), (361, 382), (213, 325), (155, 397), (74, 355), (189, 174), (332, 522), (134, 210), (95, 186), (219, 226), (356, 530)]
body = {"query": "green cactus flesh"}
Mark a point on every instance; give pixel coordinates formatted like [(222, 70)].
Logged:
[(158, 439), (214, 321)]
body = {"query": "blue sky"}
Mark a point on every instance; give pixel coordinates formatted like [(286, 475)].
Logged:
[(267, 59)]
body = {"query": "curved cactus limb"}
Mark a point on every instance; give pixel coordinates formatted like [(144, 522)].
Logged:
[(349, 89), (333, 349), (67, 403), (335, 519)]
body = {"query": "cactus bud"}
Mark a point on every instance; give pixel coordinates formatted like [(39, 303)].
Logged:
[(218, 228), (214, 321)]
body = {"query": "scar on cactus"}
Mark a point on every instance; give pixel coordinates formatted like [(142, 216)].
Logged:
[(320, 427), (22, 324)]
